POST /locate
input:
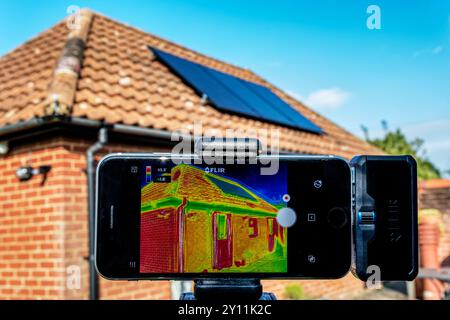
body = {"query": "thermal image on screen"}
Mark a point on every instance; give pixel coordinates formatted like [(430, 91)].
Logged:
[(199, 220)]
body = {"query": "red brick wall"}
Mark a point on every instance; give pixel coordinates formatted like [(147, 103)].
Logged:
[(43, 230), (435, 194), (343, 288), (32, 225)]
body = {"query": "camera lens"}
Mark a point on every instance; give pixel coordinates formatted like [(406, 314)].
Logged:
[(337, 217)]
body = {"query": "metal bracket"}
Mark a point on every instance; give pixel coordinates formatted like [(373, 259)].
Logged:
[(365, 221), (226, 289), (221, 150)]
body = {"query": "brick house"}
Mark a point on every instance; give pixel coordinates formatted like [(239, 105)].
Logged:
[(56, 91)]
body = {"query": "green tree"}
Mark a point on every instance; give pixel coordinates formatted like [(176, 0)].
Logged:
[(394, 142)]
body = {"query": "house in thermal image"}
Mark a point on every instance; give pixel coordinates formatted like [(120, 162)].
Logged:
[(203, 222)]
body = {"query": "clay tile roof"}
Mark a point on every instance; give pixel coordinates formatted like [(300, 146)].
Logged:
[(119, 81)]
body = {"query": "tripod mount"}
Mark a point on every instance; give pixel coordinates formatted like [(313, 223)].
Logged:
[(222, 289)]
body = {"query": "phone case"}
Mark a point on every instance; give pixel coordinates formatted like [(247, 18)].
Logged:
[(384, 190)]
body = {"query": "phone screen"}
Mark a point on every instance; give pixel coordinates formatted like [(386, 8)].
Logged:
[(203, 219), (161, 219)]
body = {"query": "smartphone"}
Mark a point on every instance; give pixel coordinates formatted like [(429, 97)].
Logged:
[(163, 216), (385, 227)]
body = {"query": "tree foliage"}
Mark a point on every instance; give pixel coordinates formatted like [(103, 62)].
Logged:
[(395, 142)]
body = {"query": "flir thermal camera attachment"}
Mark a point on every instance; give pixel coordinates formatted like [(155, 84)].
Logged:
[(384, 192)]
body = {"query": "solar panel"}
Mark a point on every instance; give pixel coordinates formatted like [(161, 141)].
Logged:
[(301, 121), (234, 95), (263, 108), (198, 78)]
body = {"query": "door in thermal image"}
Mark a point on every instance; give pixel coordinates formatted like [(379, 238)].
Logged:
[(223, 245)]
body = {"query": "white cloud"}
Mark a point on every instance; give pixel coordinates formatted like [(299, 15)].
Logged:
[(427, 52), (437, 50), (331, 98)]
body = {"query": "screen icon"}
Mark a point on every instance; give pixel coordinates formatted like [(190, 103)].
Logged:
[(318, 184), (134, 169), (311, 217), (148, 174), (312, 259)]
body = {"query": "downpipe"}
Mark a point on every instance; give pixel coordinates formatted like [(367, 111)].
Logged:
[(90, 158)]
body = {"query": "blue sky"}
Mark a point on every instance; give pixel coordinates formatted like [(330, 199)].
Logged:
[(320, 51)]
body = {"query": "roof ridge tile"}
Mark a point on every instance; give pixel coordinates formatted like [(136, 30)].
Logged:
[(61, 93)]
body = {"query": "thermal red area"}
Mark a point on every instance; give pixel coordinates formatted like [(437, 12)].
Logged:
[(274, 233), (223, 248), (159, 239)]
